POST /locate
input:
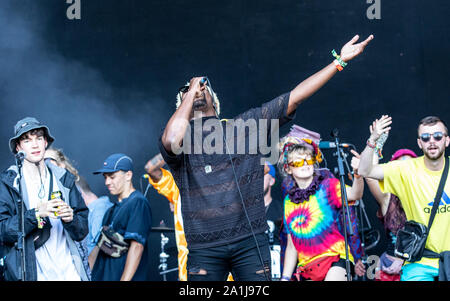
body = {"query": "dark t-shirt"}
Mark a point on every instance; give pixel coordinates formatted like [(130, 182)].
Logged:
[(132, 219), (211, 202)]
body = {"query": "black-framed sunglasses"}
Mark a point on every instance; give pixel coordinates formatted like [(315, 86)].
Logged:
[(183, 89), (203, 81), (437, 136)]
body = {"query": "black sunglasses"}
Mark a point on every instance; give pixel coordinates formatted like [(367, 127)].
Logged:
[(425, 137), (185, 88)]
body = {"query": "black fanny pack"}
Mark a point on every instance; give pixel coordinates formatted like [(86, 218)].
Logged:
[(412, 237)]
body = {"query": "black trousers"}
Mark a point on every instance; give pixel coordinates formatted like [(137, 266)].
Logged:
[(241, 258)]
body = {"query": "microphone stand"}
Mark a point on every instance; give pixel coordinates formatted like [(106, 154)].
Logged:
[(345, 208), (360, 205), (363, 219), (21, 234)]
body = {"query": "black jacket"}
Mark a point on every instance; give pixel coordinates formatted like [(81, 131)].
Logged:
[(75, 230)]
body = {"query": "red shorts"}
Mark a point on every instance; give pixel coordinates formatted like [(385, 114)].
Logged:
[(388, 277), (317, 270)]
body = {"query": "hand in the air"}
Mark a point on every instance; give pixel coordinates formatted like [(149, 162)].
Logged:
[(380, 126), (352, 50)]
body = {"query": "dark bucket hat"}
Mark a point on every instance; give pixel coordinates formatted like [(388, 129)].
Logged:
[(25, 125)]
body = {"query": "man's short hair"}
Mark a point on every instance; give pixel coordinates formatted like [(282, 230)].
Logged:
[(430, 121)]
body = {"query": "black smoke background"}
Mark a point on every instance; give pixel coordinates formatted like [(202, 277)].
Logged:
[(107, 83)]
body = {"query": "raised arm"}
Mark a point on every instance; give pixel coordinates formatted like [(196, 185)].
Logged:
[(153, 167), (374, 188), (366, 167), (355, 192), (313, 83), (176, 127), (381, 198)]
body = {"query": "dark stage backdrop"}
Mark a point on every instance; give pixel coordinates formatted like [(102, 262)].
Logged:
[(107, 82)]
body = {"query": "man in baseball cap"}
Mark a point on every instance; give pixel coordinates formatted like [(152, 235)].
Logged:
[(129, 217)]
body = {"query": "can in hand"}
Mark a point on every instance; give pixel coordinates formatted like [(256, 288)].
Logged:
[(56, 195)]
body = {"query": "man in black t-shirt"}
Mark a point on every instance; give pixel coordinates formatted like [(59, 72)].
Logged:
[(219, 169)]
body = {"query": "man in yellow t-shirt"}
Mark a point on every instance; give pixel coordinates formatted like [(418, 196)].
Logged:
[(415, 182)]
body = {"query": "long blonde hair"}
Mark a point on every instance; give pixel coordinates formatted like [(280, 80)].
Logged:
[(63, 161)]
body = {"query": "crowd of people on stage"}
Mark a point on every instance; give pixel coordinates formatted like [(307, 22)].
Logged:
[(54, 227)]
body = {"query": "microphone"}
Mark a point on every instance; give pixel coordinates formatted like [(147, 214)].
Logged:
[(20, 156), (329, 144)]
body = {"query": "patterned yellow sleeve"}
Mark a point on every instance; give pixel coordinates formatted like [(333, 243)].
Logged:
[(166, 186)]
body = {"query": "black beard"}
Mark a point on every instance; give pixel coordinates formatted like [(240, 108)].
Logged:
[(199, 104)]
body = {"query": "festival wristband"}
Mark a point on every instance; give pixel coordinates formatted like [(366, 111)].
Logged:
[(40, 220), (337, 65), (338, 58), (370, 144)]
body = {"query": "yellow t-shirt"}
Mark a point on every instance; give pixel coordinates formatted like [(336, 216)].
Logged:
[(416, 187)]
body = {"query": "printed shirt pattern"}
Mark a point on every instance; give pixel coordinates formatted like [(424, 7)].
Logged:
[(313, 224)]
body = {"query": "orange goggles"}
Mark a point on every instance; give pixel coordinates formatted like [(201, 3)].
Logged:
[(301, 162)]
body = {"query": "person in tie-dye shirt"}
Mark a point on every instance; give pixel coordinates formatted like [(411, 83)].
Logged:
[(315, 245)]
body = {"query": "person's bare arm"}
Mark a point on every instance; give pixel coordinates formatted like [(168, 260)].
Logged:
[(313, 83), (176, 127), (134, 256), (355, 192), (290, 259), (153, 167), (93, 257), (381, 198), (374, 188), (366, 167)]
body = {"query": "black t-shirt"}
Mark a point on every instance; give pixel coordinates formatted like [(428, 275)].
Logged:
[(132, 218), (211, 204)]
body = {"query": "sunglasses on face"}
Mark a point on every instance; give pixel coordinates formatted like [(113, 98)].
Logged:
[(301, 162), (183, 89), (437, 136)]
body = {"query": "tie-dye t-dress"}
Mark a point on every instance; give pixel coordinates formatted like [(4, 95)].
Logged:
[(313, 224)]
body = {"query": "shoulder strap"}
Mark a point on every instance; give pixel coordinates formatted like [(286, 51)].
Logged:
[(108, 215), (437, 198), (50, 189)]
